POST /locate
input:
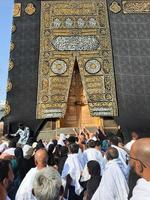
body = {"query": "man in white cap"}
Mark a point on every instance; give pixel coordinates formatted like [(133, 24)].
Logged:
[(62, 139)]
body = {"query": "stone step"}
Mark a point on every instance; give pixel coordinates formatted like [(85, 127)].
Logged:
[(48, 134)]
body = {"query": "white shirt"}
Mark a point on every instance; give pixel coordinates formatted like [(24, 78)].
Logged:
[(73, 167), (113, 185), (10, 151), (129, 145), (25, 189), (142, 190), (122, 158), (93, 154), (24, 135)]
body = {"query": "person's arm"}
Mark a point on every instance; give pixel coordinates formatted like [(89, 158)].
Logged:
[(68, 182), (100, 129), (76, 132), (87, 133), (15, 134)]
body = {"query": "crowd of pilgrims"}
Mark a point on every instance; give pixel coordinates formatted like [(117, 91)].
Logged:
[(84, 166)]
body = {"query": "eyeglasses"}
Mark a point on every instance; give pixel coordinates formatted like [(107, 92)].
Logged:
[(128, 157)]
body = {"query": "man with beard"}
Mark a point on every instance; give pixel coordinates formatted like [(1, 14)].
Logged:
[(140, 162), (6, 178)]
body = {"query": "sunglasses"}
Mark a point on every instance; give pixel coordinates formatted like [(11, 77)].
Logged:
[(128, 157)]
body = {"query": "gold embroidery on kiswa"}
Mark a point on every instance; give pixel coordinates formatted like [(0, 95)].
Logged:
[(75, 31), (30, 9), (115, 7), (17, 10), (136, 6)]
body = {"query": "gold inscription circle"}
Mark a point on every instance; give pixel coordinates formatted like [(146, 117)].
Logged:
[(59, 67), (93, 66)]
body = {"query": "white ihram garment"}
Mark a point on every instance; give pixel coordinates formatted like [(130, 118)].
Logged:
[(93, 154), (24, 135), (129, 145), (74, 168), (113, 185), (25, 189), (142, 190), (123, 157)]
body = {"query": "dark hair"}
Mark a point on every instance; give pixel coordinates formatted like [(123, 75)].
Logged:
[(97, 143), (114, 140), (94, 168), (30, 141), (73, 148), (18, 153), (72, 139), (91, 143), (63, 151), (21, 125), (54, 142), (4, 169), (39, 145), (112, 153), (51, 148), (12, 144)]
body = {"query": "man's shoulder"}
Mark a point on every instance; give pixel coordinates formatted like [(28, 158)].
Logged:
[(141, 190)]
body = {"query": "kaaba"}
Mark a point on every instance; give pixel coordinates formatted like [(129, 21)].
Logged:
[(79, 62)]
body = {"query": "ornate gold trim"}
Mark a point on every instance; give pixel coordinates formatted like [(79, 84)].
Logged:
[(12, 46), (17, 10), (30, 9), (7, 109), (9, 86), (115, 7), (13, 28), (11, 65), (75, 30), (136, 6)]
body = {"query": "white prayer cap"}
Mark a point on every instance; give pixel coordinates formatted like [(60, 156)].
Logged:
[(67, 136), (34, 145), (94, 138), (62, 136), (27, 151)]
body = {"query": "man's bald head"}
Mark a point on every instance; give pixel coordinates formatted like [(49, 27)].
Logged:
[(140, 157), (141, 150), (41, 157), (112, 153)]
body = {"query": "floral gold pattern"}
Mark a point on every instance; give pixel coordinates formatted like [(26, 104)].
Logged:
[(7, 109), (11, 65), (115, 7), (12, 46), (9, 86), (17, 10), (13, 28), (30, 9)]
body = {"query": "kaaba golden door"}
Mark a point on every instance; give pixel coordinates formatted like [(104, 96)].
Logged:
[(76, 77)]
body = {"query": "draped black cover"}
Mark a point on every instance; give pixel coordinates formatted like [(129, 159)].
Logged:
[(130, 35)]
